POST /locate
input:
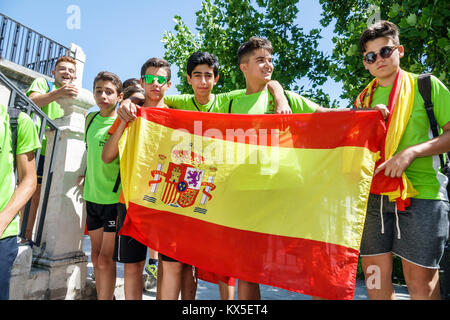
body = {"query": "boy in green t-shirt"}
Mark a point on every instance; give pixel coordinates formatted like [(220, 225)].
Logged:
[(202, 75), (46, 98), (419, 233), (155, 79), (255, 61), (100, 191), (203, 99), (12, 199)]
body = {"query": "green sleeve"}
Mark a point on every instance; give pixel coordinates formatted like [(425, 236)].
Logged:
[(440, 96), (180, 101), (227, 96), (38, 85), (223, 100), (300, 104), (27, 137)]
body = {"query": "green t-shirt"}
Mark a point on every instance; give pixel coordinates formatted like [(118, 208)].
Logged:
[(27, 140), (423, 172), (100, 177), (188, 101), (263, 103), (53, 110)]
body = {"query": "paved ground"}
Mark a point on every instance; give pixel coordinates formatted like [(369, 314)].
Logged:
[(209, 291)]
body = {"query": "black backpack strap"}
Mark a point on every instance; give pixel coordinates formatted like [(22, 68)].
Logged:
[(424, 85), (196, 107), (89, 118), (49, 84), (13, 122)]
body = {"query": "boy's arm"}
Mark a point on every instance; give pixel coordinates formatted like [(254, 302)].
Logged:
[(111, 147), (395, 166), (281, 103), (27, 181), (83, 166), (127, 111), (179, 101), (43, 99), (440, 97)]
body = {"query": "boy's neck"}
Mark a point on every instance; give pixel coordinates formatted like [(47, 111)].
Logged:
[(254, 88), (108, 112), (389, 80), (203, 99)]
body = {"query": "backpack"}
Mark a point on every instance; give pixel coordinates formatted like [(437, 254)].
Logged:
[(13, 123), (89, 118), (424, 84), (49, 84)]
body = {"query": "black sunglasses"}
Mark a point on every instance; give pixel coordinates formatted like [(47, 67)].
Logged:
[(384, 52)]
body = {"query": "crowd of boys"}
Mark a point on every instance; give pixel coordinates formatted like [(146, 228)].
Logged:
[(416, 230)]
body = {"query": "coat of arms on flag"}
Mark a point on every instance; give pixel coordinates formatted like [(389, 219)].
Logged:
[(183, 181)]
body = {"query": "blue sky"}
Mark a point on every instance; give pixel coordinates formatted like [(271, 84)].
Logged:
[(119, 36)]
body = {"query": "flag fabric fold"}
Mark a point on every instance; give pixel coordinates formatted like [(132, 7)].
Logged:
[(400, 105), (273, 199)]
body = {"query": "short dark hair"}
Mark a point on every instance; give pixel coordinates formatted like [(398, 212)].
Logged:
[(200, 57), (131, 82), (252, 44), (379, 29), (156, 63), (130, 90), (109, 76)]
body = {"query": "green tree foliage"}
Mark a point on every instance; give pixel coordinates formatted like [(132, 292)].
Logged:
[(223, 25), (424, 33)]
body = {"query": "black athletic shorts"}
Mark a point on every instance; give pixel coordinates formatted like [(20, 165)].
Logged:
[(40, 169), (101, 216), (168, 259), (127, 249)]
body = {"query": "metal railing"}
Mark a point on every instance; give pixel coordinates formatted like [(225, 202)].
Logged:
[(29, 48), (20, 101)]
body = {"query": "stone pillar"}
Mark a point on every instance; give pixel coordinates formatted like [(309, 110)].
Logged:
[(80, 58), (60, 252)]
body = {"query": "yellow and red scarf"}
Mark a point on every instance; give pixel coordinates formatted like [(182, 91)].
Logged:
[(400, 106)]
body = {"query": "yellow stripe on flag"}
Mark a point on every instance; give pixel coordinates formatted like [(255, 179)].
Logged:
[(329, 183)]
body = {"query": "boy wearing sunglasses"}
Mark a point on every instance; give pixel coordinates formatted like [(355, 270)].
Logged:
[(203, 74), (155, 79), (407, 212)]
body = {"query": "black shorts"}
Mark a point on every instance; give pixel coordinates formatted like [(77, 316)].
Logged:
[(40, 169), (168, 259), (101, 216), (127, 249)]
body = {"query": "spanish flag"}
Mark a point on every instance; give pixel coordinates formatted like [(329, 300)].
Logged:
[(272, 199)]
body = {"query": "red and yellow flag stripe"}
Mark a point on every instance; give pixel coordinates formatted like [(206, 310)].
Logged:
[(281, 199)]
